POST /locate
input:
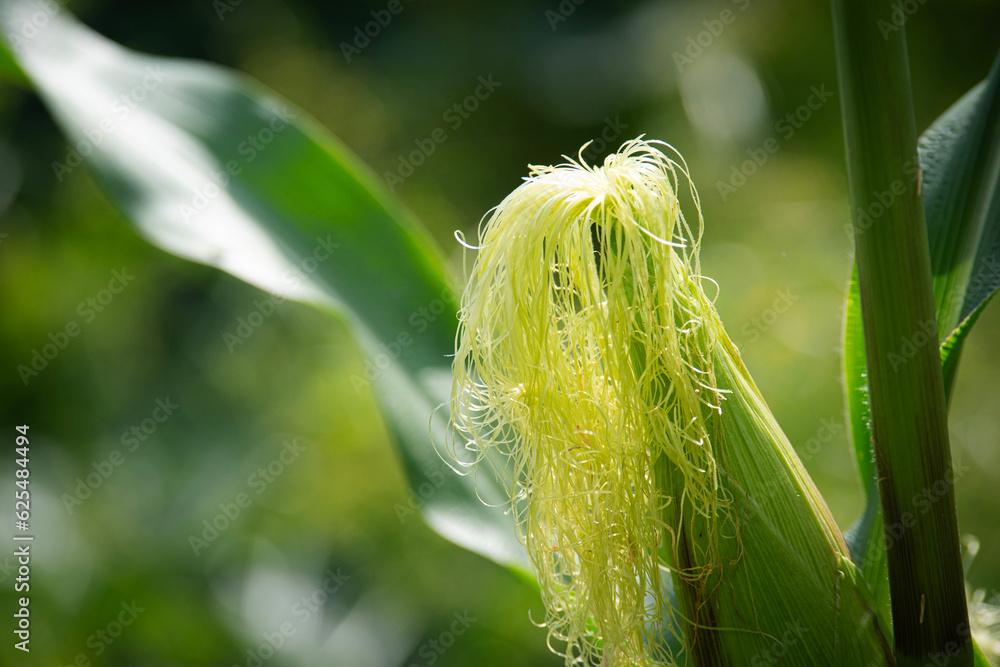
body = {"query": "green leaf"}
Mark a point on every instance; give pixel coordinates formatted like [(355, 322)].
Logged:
[(960, 181), (857, 387), (9, 69), (215, 168), (865, 538), (951, 348), (981, 659), (960, 156)]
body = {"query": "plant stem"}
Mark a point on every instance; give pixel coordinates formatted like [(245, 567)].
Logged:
[(906, 392)]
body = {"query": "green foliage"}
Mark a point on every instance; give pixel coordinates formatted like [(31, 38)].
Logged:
[(215, 168), (959, 158), (895, 394)]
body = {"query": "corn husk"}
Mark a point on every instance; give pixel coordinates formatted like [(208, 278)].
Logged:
[(665, 514)]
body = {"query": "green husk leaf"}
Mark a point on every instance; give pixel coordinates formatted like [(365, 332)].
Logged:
[(783, 540)]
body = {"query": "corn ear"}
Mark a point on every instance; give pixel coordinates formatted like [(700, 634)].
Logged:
[(593, 376)]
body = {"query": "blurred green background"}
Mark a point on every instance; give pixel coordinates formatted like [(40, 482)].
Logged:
[(569, 73)]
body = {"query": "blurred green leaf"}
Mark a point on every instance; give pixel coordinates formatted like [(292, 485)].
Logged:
[(9, 69), (960, 180), (981, 659), (215, 168)]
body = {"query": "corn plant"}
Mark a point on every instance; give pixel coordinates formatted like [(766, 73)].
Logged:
[(593, 424)]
